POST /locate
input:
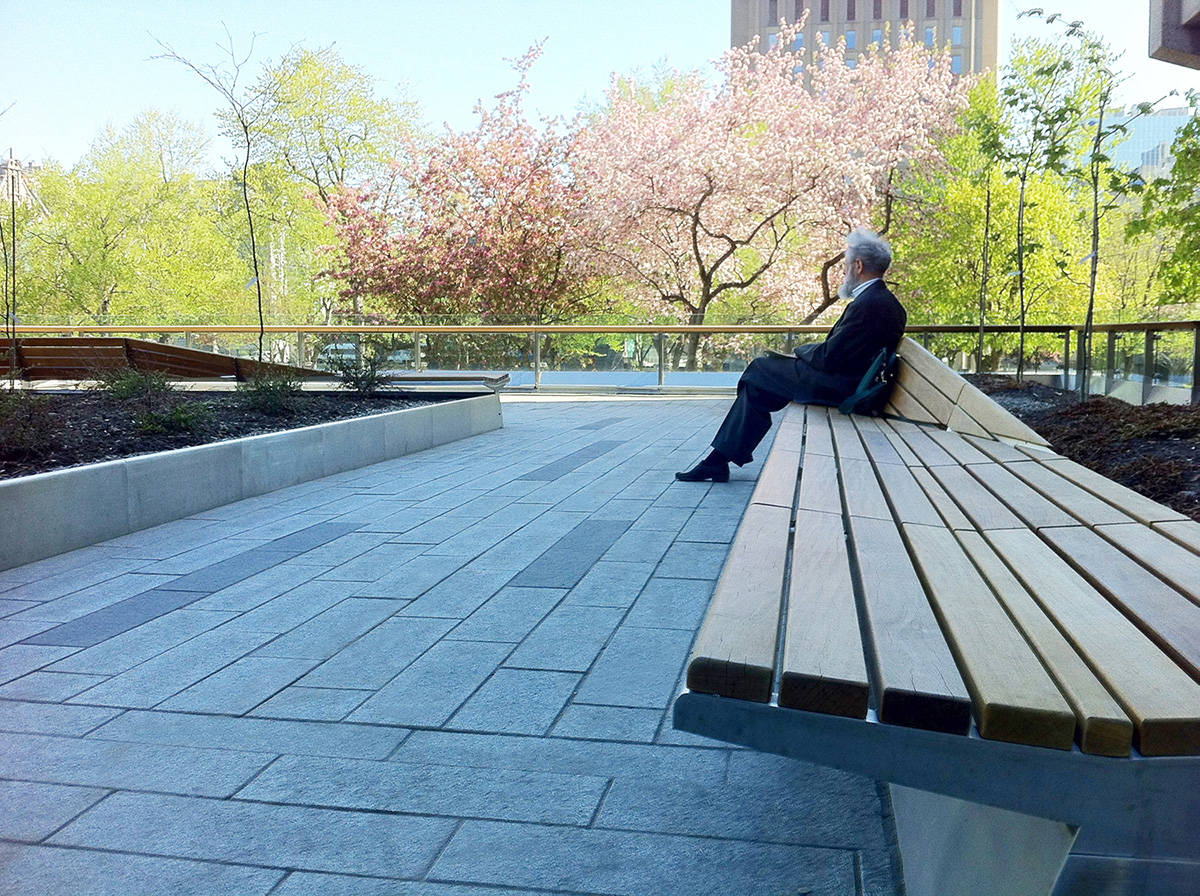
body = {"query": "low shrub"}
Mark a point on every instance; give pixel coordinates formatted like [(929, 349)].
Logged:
[(190, 417), (271, 392), (363, 373), (25, 425)]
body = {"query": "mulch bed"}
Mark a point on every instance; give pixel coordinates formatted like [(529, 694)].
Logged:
[(50, 431), (1154, 449)]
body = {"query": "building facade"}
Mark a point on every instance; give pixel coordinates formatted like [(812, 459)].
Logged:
[(970, 28)]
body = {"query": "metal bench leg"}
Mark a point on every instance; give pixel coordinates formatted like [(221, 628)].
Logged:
[(950, 847)]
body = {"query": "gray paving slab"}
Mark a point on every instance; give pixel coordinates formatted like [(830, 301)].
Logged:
[(202, 555), (68, 578), (372, 660), (217, 576), (508, 615), (128, 766), (307, 883), (671, 603), (640, 667), (693, 560), (618, 723), (240, 686), (52, 718), (323, 636), (256, 735), (311, 704), (93, 598), (611, 583), (48, 686), (42, 869), (568, 560), (123, 652), (414, 577), (458, 791), (517, 701), (250, 833), (31, 811), (255, 590), (9, 607), (568, 640), (14, 631), (295, 606), (460, 594), (114, 619), (21, 659), (526, 855)]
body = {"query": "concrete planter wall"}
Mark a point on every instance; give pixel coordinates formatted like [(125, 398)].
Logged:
[(49, 513)]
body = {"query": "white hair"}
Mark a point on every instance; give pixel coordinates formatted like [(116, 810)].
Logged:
[(871, 249)]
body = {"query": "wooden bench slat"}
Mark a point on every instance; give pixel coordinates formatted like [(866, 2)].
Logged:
[(817, 436), (903, 404), (878, 447), (931, 369), (907, 499), (1013, 698), (1160, 698), (1027, 503), (1103, 727), (1167, 559), (823, 665), (926, 449), (962, 422), (1137, 506), (819, 484), (942, 502), (994, 418), (1075, 500), (956, 446), (1167, 617), (983, 508), (914, 674), (777, 481), (734, 655), (861, 489), (1184, 532), (845, 437), (925, 392), (997, 450)]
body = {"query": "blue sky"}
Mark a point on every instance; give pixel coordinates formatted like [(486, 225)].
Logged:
[(70, 66)]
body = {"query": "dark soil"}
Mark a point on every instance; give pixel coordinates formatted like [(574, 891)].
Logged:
[(41, 432), (1154, 449)]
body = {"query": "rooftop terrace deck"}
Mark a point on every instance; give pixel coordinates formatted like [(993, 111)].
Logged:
[(454, 669)]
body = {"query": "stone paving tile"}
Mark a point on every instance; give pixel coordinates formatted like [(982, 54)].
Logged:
[(304, 883), (568, 560), (73, 577), (203, 555), (413, 578), (639, 667), (322, 636), (168, 539), (53, 566), (517, 550), (611, 583), (9, 607), (373, 564), (259, 588), (516, 701), (525, 855), (563, 756), (429, 691), (459, 594), (567, 640), (693, 560), (288, 836), (716, 526), (126, 766), (167, 674), (114, 619), (14, 631), (95, 597), (508, 615), (21, 659), (240, 686), (217, 576), (123, 652), (640, 545), (371, 661), (52, 718), (461, 792), (311, 704), (48, 686), (620, 723), (341, 550), (255, 735), (671, 603), (32, 812), (296, 606), (45, 870)]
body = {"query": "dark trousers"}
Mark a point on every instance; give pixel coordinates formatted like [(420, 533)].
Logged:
[(766, 386)]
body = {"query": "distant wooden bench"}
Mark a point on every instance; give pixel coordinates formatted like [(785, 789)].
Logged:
[(938, 601)]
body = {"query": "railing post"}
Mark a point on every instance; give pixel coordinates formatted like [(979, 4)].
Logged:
[(537, 360), (790, 342), (1196, 364), (1110, 361), (417, 351), (1083, 363), (1066, 383), (301, 345), (1148, 366), (660, 341)]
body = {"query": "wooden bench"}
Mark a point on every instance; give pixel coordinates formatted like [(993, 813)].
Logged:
[(938, 601)]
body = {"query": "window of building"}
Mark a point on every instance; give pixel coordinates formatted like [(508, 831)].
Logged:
[(851, 63), (956, 64), (798, 11), (877, 10), (851, 40), (772, 12), (904, 9), (931, 7), (957, 7), (825, 38), (956, 35), (929, 36), (851, 12), (824, 10), (799, 45), (773, 39), (877, 36)]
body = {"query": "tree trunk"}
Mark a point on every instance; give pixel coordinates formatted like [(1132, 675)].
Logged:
[(1021, 278), (983, 280)]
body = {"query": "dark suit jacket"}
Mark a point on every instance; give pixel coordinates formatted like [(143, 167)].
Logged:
[(830, 371)]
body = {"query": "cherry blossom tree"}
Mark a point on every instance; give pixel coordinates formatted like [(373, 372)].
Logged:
[(709, 191), (475, 223)]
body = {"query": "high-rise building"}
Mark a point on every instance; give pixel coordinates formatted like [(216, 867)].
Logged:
[(1174, 31), (970, 28)]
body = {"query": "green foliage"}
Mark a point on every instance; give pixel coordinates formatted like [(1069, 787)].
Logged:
[(273, 392), (363, 372), (1171, 207), (128, 383), (25, 425), (186, 417)]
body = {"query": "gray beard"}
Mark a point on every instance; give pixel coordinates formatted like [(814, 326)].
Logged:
[(846, 290)]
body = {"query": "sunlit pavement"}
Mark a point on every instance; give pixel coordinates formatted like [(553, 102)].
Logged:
[(445, 675)]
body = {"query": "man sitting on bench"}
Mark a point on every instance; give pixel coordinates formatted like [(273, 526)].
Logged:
[(820, 373)]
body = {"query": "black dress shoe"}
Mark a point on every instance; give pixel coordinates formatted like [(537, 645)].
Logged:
[(704, 471)]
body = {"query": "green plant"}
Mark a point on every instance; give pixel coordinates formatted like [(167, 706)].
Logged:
[(24, 425), (273, 392), (127, 384), (363, 372), (189, 416)]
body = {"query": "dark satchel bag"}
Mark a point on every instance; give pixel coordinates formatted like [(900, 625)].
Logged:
[(876, 386)]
